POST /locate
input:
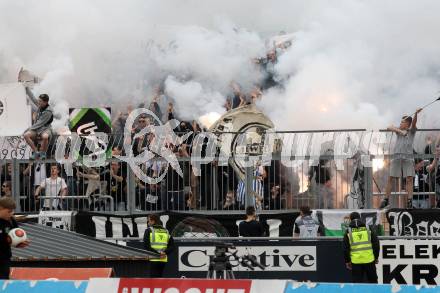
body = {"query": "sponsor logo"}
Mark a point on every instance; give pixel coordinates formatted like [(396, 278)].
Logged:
[(86, 129), (183, 286), (60, 220), (409, 262), (282, 258)]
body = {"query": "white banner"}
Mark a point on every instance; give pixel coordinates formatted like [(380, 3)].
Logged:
[(57, 219), (274, 258), (14, 147), (15, 110), (409, 262), (117, 226)]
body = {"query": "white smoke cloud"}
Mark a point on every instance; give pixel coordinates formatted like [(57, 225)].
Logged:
[(360, 64), (353, 64), (192, 100)]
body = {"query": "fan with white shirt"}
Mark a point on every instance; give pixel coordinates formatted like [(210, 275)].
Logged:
[(55, 189)]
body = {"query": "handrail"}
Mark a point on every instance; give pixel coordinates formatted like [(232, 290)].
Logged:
[(100, 196), (219, 239), (405, 193)]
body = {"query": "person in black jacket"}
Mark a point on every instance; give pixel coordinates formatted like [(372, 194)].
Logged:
[(251, 227), (7, 223), (158, 240), (361, 250)]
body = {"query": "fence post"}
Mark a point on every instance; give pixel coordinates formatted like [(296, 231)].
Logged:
[(131, 187), (214, 183), (368, 179), (249, 174), (15, 184)]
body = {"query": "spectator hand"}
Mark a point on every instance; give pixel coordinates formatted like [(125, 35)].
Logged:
[(18, 77), (188, 203), (256, 60), (348, 266), (183, 151), (24, 244)]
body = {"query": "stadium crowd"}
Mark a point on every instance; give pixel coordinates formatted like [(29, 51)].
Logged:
[(43, 185), (218, 187)]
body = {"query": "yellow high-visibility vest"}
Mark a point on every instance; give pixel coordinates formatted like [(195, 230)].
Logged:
[(159, 238), (361, 248)]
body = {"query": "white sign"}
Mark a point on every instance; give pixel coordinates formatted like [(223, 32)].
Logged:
[(15, 116), (14, 147), (56, 219), (409, 262), (274, 258)]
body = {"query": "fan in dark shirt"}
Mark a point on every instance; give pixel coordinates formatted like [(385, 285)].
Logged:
[(250, 227)]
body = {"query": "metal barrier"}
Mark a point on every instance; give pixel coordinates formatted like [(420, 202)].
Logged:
[(64, 203), (214, 240), (50, 186), (320, 169)]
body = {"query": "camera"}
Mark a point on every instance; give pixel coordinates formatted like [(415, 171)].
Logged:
[(222, 248), (220, 266)]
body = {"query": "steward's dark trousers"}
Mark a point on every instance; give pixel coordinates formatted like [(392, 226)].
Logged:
[(4, 269), (156, 269), (364, 273)]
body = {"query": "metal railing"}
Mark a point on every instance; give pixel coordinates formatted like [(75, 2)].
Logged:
[(65, 202), (216, 240), (320, 169)]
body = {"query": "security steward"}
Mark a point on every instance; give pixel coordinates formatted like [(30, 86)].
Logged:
[(361, 251), (157, 239)]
